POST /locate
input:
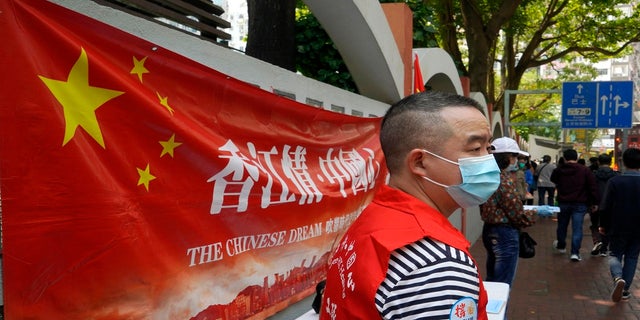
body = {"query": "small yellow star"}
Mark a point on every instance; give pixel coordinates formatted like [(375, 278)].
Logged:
[(138, 67), (80, 100), (169, 145), (145, 177), (165, 102)]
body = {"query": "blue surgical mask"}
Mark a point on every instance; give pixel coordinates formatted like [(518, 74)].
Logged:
[(480, 179)]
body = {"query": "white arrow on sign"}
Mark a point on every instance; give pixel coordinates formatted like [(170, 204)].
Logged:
[(604, 103), (624, 104)]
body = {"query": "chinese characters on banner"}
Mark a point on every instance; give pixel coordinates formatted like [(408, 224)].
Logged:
[(138, 184)]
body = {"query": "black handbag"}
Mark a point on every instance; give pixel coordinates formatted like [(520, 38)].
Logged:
[(317, 300), (527, 246)]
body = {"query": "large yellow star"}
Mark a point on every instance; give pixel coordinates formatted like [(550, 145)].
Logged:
[(138, 67), (169, 145), (80, 100), (145, 177)]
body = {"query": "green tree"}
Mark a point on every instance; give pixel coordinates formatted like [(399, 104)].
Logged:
[(316, 55), (318, 58), (515, 35), (525, 34), (496, 43)]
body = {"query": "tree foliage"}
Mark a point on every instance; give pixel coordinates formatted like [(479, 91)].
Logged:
[(499, 45), (317, 57), (515, 35), (525, 34)]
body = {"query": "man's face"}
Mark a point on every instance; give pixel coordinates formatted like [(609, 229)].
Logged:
[(471, 138)]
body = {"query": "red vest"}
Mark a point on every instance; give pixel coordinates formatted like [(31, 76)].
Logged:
[(359, 264)]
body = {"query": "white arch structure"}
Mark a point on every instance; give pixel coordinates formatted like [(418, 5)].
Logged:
[(438, 70), (362, 35)]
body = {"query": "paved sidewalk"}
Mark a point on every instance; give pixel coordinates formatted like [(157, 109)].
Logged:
[(551, 287)]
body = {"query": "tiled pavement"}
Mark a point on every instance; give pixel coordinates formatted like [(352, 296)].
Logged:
[(551, 287)]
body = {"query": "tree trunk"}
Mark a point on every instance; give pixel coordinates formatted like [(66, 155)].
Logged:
[(271, 34), (481, 35), (446, 12), (479, 57), (480, 43)]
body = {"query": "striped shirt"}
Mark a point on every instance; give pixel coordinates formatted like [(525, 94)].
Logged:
[(424, 280)]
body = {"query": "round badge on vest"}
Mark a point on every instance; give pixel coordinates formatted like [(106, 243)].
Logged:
[(464, 309)]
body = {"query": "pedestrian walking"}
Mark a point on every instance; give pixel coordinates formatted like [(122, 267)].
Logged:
[(603, 173), (544, 183), (577, 192), (620, 221), (504, 216)]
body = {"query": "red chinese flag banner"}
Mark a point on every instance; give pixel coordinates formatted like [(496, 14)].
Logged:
[(138, 184), (418, 82)]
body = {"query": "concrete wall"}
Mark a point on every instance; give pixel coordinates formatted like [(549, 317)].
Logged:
[(540, 146)]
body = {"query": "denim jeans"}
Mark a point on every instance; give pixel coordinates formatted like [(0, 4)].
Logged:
[(573, 212), (502, 244), (624, 258), (550, 191)]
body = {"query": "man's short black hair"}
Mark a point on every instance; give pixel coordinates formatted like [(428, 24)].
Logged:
[(570, 154), (631, 158), (604, 159), (503, 160), (416, 122)]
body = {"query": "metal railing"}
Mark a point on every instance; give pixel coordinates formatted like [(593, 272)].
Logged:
[(198, 17)]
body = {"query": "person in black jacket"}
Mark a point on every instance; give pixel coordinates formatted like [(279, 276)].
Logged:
[(577, 190), (603, 173), (620, 221), (594, 162)]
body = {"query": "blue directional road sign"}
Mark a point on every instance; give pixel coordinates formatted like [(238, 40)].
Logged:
[(597, 104)]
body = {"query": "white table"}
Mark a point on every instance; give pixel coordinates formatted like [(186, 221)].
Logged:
[(497, 291), (309, 315)]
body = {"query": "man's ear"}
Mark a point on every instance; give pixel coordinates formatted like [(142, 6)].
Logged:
[(417, 162)]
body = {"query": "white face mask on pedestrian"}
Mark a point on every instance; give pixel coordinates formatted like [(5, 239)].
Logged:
[(480, 179)]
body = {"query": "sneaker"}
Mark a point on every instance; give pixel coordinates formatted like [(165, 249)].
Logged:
[(555, 246), (626, 295), (618, 287), (604, 254), (575, 257), (596, 248)]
